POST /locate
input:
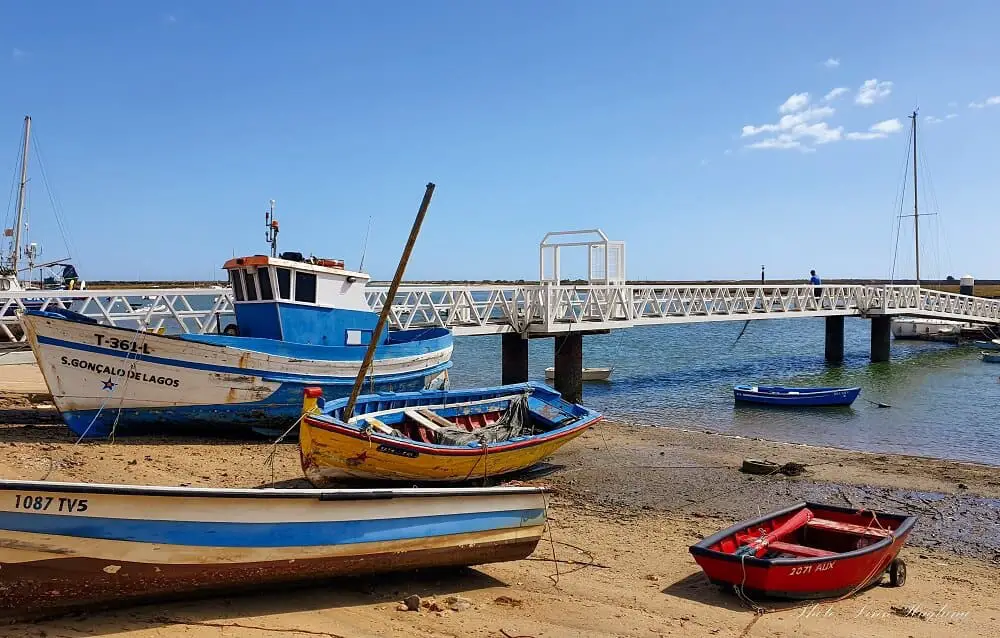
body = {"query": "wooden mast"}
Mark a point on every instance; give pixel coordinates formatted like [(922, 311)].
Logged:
[(387, 304)]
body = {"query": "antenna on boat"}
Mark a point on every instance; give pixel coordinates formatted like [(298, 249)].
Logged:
[(271, 235), (364, 246), (387, 304)]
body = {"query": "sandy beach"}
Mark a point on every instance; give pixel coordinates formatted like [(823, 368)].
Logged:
[(627, 502)]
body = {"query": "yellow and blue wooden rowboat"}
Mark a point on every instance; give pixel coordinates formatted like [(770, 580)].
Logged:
[(66, 546), (447, 436)]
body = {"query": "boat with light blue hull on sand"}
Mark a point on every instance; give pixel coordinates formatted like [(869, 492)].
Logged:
[(299, 322), (69, 546), (795, 397)]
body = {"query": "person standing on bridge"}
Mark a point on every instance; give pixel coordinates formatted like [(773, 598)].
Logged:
[(815, 281)]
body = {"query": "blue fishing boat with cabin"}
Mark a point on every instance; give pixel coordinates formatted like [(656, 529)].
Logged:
[(69, 546), (300, 321), (795, 397)]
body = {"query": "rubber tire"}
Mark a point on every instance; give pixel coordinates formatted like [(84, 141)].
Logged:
[(231, 330), (897, 573)]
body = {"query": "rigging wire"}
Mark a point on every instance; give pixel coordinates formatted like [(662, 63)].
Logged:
[(53, 199), (899, 213), (9, 218), (939, 235)]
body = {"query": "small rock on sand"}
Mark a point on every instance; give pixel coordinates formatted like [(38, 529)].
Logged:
[(412, 602), (458, 603)]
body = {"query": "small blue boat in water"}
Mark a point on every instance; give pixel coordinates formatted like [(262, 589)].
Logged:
[(795, 397)]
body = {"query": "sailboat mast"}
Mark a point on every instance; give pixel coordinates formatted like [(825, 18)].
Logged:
[(916, 215), (16, 253)]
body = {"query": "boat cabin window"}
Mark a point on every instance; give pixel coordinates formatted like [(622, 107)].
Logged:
[(264, 276), (236, 279), (251, 286), (358, 337), (305, 287), (284, 283)]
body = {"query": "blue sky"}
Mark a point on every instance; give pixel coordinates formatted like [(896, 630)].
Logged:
[(166, 127)]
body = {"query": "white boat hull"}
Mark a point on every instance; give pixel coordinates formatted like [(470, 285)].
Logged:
[(589, 374), (925, 329), (104, 378)]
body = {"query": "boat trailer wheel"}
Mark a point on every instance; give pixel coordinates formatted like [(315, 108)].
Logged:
[(231, 330), (897, 572)]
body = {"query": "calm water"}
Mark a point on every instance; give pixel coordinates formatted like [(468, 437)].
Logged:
[(945, 401)]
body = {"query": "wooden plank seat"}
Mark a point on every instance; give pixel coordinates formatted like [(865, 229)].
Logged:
[(849, 528), (799, 550), (417, 417)]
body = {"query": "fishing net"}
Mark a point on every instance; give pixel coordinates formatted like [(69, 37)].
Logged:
[(513, 422)]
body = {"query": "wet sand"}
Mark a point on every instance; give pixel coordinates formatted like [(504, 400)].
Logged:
[(627, 503)]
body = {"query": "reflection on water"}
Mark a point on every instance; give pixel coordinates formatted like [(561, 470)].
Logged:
[(944, 400)]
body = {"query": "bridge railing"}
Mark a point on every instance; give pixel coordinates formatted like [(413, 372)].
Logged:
[(924, 302), (543, 308), (172, 310), (522, 308)]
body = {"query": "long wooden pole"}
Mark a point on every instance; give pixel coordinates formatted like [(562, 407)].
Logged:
[(387, 305)]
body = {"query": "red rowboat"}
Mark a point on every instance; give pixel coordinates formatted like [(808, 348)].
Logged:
[(807, 551)]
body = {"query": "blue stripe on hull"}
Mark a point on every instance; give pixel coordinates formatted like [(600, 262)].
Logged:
[(269, 417), (306, 534), (208, 367)]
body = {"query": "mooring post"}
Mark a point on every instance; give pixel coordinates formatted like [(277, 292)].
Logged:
[(513, 358), (880, 338), (569, 367), (835, 339)]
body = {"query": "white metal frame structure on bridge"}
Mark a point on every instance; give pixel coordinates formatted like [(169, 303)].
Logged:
[(526, 309)]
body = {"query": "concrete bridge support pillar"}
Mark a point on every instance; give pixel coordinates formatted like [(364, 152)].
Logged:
[(834, 339), (513, 358), (880, 338), (569, 367)]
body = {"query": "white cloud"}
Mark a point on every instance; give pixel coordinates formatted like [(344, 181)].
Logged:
[(820, 132), (990, 101), (873, 91), (930, 119), (17, 53), (170, 19), (887, 126), (801, 127), (835, 93), (791, 121), (953, 105), (796, 102), (728, 151), (878, 130), (779, 142), (951, 116), (832, 63), (704, 162)]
